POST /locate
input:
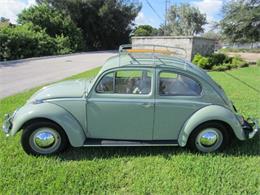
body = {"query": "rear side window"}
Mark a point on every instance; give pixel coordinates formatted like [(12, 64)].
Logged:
[(172, 84), (126, 82)]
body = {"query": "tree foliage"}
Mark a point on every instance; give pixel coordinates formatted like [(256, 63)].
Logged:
[(4, 22), (145, 30), (42, 30), (23, 41), (212, 35), (241, 22), (184, 19), (55, 23), (105, 24)]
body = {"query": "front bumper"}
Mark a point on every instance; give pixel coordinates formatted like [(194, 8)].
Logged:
[(8, 123), (250, 127)]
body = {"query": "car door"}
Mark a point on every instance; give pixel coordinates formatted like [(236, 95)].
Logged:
[(121, 105), (178, 96)]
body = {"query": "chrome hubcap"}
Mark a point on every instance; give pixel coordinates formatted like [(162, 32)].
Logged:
[(45, 140), (209, 140)]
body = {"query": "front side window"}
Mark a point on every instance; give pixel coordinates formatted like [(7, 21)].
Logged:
[(172, 84), (106, 84), (126, 82)]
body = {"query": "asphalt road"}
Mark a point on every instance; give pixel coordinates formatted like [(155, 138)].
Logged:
[(17, 76)]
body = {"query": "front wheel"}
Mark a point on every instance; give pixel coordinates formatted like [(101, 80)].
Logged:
[(44, 138), (209, 137)]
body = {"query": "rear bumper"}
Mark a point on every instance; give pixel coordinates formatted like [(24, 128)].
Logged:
[(250, 127)]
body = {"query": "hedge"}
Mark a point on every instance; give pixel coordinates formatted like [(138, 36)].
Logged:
[(23, 41), (218, 62)]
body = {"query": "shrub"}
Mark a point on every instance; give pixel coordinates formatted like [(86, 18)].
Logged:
[(202, 62), (239, 62), (23, 41), (28, 40), (219, 62), (232, 65), (218, 59), (196, 58), (243, 65), (223, 67), (55, 23), (62, 45), (215, 59), (258, 62)]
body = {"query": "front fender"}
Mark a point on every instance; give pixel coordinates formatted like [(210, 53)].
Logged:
[(52, 112), (209, 113)]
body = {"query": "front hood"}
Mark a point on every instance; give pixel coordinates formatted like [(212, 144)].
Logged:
[(65, 89)]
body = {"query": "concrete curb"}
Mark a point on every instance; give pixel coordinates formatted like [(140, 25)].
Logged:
[(51, 57)]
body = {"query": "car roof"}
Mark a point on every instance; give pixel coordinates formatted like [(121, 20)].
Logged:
[(150, 55), (153, 60), (157, 58), (163, 61), (147, 55)]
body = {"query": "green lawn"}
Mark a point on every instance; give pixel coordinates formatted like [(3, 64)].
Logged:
[(142, 169)]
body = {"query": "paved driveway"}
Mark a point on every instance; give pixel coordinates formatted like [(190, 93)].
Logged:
[(17, 76)]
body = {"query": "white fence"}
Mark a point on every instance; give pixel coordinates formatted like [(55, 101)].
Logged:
[(243, 45)]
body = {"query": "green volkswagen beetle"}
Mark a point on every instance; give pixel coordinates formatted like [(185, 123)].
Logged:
[(141, 97)]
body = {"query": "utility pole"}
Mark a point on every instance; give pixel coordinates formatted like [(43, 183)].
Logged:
[(167, 4)]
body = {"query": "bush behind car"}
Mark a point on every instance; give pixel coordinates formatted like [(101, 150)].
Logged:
[(218, 62)]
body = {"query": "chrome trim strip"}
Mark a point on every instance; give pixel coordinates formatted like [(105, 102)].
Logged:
[(65, 99), (127, 145), (129, 101)]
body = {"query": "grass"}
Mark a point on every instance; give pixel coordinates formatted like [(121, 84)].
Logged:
[(157, 170)]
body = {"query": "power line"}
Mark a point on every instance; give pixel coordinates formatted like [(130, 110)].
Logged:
[(147, 1)]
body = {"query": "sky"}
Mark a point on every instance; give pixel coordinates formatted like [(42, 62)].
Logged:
[(212, 9)]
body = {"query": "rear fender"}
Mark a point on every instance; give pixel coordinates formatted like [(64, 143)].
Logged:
[(210, 113)]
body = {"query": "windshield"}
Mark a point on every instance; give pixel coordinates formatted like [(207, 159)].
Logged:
[(91, 79)]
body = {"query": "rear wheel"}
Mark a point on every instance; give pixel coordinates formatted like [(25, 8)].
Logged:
[(44, 138), (209, 137)]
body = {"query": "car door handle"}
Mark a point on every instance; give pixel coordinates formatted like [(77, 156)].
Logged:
[(146, 105)]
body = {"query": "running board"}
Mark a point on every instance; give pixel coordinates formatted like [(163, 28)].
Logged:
[(123, 143)]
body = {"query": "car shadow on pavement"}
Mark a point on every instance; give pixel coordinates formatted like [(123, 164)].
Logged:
[(237, 148)]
